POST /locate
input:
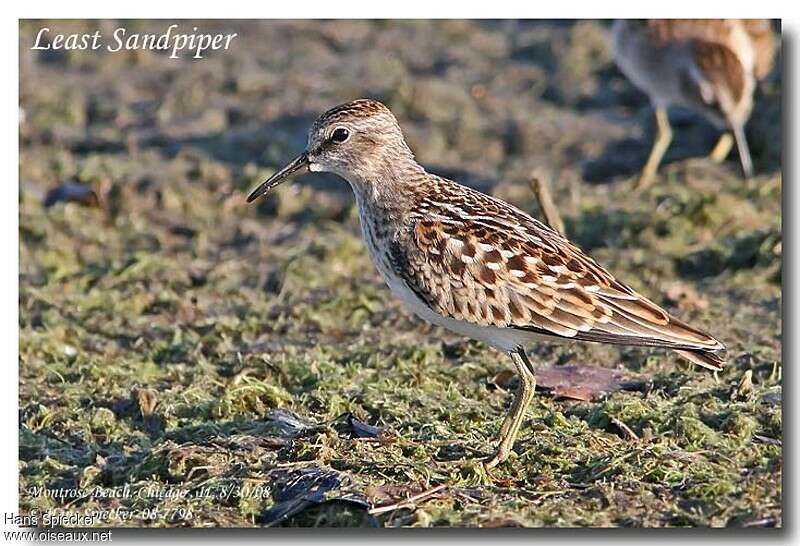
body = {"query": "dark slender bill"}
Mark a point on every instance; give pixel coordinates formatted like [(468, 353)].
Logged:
[(299, 162)]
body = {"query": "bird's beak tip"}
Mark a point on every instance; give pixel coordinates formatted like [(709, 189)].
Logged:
[(298, 163)]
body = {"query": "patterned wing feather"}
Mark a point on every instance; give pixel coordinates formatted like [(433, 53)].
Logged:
[(473, 258), (721, 67)]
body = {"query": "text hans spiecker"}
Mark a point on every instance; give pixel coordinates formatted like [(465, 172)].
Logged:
[(121, 39)]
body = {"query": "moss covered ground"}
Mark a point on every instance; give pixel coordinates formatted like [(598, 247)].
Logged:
[(239, 365)]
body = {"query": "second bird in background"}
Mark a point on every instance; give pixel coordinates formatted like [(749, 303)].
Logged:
[(707, 65)]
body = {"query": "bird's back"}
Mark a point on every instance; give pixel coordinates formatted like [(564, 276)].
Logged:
[(664, 31), (764, 45), (708, 65)]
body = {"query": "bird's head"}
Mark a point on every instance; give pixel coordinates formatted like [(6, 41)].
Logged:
[(357, 140)]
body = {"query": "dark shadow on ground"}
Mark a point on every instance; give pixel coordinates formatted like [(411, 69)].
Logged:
[(692, 137)]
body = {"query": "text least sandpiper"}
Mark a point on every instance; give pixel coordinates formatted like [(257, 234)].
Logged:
[(707, 65), (475, 264)]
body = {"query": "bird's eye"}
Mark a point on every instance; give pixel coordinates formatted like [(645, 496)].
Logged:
[(340, 134)]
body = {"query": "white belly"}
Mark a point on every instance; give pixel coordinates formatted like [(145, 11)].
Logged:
[(502, 339)]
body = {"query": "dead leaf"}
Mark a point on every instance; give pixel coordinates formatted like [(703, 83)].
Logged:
[(580, 382), (71, 192), (575, 393), (363, 430), (312, 487)]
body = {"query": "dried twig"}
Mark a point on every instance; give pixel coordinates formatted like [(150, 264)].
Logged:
[(626, 430), (409, 502), (541, 189)]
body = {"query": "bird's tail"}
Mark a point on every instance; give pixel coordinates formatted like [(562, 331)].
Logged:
[(710, 360)]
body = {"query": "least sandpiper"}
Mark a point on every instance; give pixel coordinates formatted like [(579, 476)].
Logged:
[(475, 264), (707, 65)]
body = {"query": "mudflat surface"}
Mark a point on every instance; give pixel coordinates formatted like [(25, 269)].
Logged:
[(246, 361)]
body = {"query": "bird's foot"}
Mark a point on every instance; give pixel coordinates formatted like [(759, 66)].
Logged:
[(499, 456), (722, 148), (644, 181)]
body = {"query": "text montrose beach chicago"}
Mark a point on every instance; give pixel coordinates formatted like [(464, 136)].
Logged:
[(121, 40)]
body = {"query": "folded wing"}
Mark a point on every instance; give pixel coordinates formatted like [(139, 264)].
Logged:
[(508, 270)]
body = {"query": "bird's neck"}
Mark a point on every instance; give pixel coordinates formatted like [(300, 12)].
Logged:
[(390, 188)]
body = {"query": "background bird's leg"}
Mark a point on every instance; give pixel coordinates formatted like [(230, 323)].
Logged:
[(660, 145), (512, 422), (722, 148), (744, 150)]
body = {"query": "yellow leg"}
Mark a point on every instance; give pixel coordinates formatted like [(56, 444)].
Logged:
[(660, 145), (522, 399), (722, 148)]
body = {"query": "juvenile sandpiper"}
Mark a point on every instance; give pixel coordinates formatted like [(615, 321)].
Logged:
[(709, 66), (476, 265)]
